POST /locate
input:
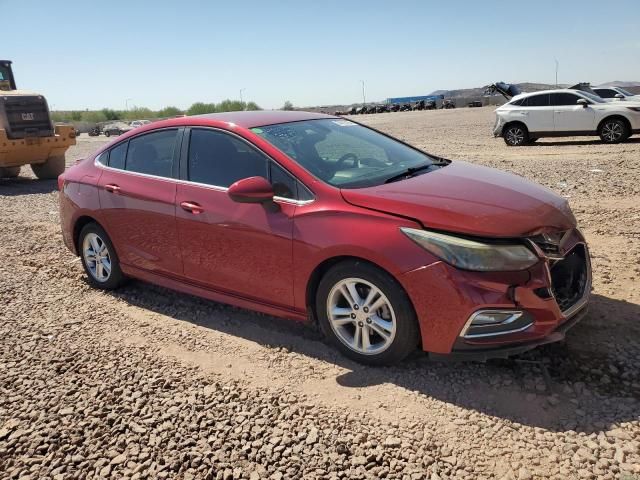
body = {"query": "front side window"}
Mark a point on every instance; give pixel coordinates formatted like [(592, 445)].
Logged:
[(219, 159), (345, 154), (152, 153)]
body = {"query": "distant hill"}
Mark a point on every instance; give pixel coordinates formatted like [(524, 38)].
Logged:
[(619, 83)]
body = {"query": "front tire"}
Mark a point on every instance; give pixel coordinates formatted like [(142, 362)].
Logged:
[(50, 169), (613, 130), (9, 172), (99, 258), (366, 314), (515, 135), (107, 134)]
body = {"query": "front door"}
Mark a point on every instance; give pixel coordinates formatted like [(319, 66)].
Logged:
[(137, 198), (237, 248), (568, 116)]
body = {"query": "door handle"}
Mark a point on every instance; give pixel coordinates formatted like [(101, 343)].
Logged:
[(112, 188), (192, 207)]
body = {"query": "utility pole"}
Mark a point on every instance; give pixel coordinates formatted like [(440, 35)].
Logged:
[(241, 90), (364, 100), (126, 103), (557, 63)]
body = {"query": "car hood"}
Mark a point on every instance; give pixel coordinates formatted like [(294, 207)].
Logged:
[(470, 199)]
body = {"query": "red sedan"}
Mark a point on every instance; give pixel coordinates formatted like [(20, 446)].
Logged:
[(318, 218)]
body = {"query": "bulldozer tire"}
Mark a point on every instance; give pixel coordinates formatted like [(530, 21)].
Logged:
[(9, 172), (53, 167)]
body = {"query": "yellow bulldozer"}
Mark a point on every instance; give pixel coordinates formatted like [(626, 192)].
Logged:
[(27, 134)]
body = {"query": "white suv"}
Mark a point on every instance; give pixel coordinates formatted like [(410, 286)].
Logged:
[(616, 93), (565, 113)]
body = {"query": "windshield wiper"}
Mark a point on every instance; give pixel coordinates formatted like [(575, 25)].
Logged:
[(412, 171)]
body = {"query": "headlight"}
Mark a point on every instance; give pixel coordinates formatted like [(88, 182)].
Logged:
[(472, 255)]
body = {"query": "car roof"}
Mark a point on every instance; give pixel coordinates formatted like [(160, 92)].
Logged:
[(259, 118)]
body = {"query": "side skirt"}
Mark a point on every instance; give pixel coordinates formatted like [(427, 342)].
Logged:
[(215, 295)]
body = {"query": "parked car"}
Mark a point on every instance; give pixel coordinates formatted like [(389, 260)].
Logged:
[(394, 107), (448, 103), (474, 104), (563, 113), (419, 105), (406, 107), (311, 216), (381, 109), (615, 93), (430, 105), (139, 123), (115, 129)]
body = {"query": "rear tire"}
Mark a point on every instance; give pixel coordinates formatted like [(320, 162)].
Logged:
[(53, 167), (382, 335), (613, 130), (515, 135), (9, 172), (99, 258), (107, 134)]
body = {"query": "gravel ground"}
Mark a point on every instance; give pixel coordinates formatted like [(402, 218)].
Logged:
[(148, 383)]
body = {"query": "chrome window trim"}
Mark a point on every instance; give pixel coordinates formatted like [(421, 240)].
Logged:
[(218, 188), (299, 203)]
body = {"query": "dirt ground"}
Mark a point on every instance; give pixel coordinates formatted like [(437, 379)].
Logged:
[(148, 383)]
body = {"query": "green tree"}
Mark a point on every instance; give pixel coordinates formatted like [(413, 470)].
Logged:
[(230, 106), (138, 113), (252, 106), (94, 116), (169, 112), (200, 108), (287, 105), (111, 114)]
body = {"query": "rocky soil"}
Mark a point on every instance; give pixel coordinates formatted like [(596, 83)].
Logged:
[(148, 383)]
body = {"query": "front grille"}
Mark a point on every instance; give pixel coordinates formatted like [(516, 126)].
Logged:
[(569, 278), (549, 243), (27, 116)]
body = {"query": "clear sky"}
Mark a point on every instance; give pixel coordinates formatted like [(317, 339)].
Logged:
[(94, 54)]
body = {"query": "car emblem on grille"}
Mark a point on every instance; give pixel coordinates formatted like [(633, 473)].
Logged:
[(27, 116)]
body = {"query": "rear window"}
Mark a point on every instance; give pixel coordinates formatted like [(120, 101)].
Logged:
[(117, 155)]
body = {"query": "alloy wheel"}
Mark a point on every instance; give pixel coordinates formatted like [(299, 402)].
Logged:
[(361, 316), (97, 257), (515, 135), (612, 131)]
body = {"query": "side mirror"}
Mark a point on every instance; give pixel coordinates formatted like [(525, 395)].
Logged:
[(619, 96), (251, 190), (583, 102)]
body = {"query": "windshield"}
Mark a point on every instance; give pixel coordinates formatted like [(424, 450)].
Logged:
[(625, 92), (342, 153), (592, 97)]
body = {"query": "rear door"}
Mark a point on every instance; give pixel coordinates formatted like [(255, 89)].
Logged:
[(536, 113), (137, 198), (568, 116)]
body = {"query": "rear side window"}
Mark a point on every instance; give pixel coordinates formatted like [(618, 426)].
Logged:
[(559, 99), (117, 156), (541, 100), (517, 102), (219, 159), (152, 154)]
